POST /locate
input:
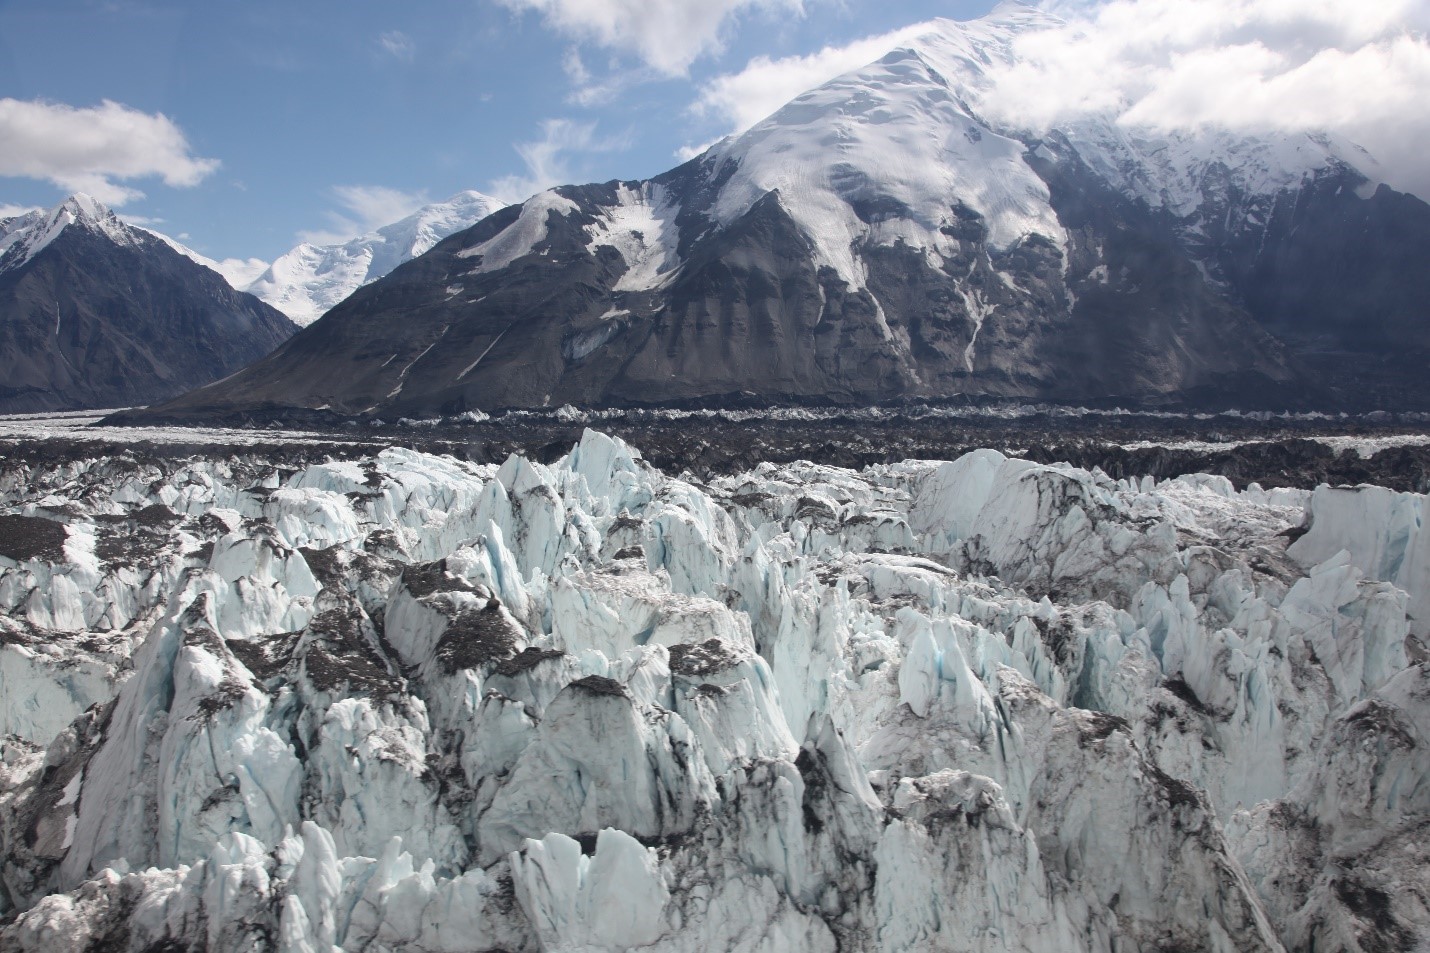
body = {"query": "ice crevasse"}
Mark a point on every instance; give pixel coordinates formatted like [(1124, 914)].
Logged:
[(401, 702)]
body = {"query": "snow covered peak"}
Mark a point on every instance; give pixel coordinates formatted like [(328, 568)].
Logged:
[(310, 279), (883, 154), (24, 237), (85, 206)]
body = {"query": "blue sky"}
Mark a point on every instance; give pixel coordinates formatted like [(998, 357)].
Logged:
[(243, 126), (319, 118)]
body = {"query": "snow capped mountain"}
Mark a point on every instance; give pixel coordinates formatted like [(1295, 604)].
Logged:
[(309, 280), (97, 313), (402, 702), (25, 236), (885, 236)]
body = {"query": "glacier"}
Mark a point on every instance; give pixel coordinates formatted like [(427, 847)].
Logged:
[(399, 701)]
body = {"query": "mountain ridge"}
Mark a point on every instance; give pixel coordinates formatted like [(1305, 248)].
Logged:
[(96, 313), (874, 239), (308, 280)]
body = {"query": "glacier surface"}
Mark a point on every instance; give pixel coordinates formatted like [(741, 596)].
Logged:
[(402, 702)]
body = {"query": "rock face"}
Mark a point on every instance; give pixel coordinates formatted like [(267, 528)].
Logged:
[(310, 279), (880, 238), (95, 313), (402, 702)]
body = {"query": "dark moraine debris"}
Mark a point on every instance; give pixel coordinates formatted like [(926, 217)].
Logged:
[(701, 660), (812, 768), (1177, 686), (1095, 726), (1177, 792), (266, 657), (625, 522), (426, 579), (32, 537), (1373, 718), (1058, 637), (1372, 906), (140, 545), (525, 660), (820, 512), (156, 515), (325, 564), (751, 500), (478, 637), (380, 541), (343, 659), (226, 695), (600, 685)]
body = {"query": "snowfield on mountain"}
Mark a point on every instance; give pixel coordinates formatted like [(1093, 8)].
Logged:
[(402, 702), (891, 234), (308, 280)]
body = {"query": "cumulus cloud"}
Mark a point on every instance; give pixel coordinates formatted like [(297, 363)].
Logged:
[(364, 208), (1173, 65), (1360, 70), (95, 149), (1357, 70), (667, 35), (10, 211), (552, 159)]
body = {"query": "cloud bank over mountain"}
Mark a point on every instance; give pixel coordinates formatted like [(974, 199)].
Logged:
[(1162, 65)]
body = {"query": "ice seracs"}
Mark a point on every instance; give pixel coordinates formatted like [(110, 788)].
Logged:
[(402, 701)]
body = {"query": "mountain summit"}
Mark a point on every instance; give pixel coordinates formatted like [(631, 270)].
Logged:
[(879, 238), (97, 313), (310, 279)]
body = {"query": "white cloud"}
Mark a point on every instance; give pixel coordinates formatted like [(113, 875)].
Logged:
[(1361, 70), (10, 211), (686, 153), (364, 209), (668, 35), (764, 85), (398, 44), (575, 67), (549, 159), (143, 221), (95, 149), (241, 272)]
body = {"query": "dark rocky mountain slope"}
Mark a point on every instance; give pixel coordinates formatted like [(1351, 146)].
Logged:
[(96, 313), (879, 239)]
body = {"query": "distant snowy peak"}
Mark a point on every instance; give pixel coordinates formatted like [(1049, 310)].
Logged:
[(17, 227), (308, 280), (25, 236)]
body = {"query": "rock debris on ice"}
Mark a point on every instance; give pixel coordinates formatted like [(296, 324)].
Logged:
[(403, 702)]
